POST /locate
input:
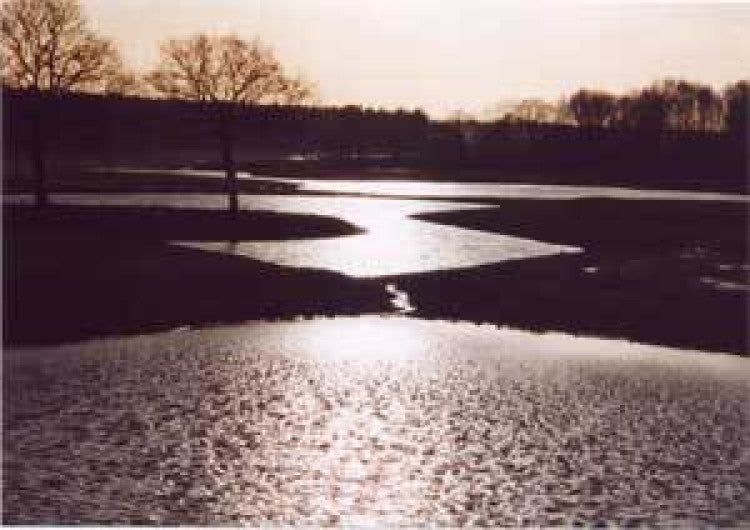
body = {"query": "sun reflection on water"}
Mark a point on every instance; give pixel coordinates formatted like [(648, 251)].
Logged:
[(392, 243), (376, 421), (366, 339)]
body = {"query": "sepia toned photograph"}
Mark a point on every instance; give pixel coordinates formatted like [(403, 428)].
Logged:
[(375, 263)]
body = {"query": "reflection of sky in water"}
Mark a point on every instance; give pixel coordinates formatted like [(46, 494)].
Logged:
[(400, 247), (393, 243), (477, 190), (375, 420), (427, 189)]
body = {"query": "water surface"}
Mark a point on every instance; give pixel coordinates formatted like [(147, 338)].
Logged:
[(463, 190), (483, 190), (393, 242), (376, 421)]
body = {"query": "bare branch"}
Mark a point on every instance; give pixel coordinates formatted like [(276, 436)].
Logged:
[(46, 46), (224, 68)]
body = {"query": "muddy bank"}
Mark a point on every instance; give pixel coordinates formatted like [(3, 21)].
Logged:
[(127, 180), (154, 223), (673, 273), (84, 272)]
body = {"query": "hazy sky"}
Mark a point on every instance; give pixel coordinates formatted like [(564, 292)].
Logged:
[(443, 55)]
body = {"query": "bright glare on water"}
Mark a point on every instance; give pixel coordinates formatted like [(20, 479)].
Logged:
[(394, 246), (393, 243), (484, 190), (378, 421)]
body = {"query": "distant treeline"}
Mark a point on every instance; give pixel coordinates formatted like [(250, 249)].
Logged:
[(666, 105), (673, 132), (598, 144)]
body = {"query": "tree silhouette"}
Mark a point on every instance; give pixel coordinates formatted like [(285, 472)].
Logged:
[(48, 49), (710, 108), (650, 110), (689, 106), (537, 110), (737, 98), (592, 108), (225, 72)]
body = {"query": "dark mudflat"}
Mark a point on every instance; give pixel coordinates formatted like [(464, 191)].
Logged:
[(166, 223), (66, 281), (665, 272), (612, 225), (78, 180)]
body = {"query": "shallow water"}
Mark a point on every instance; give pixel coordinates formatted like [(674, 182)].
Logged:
[(480, 190), (374, 420), (466, 190), (393, 242)]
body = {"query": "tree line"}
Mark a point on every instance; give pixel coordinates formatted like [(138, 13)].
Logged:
[(122, 130), (670, 104), (66, 87)]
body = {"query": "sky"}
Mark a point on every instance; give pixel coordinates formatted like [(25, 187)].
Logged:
[(443, 56)]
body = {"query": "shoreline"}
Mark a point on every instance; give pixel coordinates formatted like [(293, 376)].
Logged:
[(643, 282)]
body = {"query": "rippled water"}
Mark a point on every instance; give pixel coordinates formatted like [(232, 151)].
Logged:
[(374, 420), (393, 243)]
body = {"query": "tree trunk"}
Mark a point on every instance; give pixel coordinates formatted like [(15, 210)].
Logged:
[(226, 134), (37, 150)]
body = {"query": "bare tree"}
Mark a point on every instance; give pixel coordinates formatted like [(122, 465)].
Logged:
[(48, 49), (225, 72)]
